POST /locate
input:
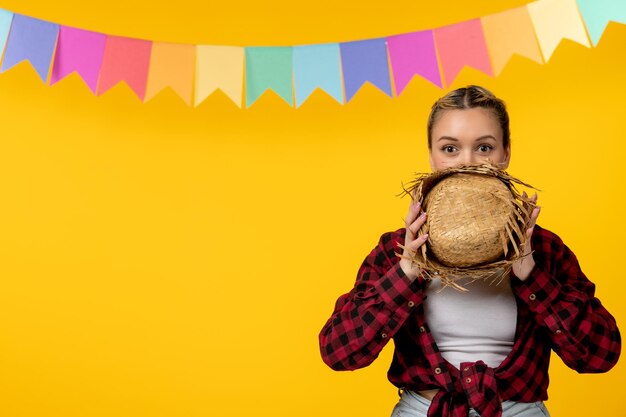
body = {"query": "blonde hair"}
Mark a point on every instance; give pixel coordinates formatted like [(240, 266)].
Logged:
[(468, 98)]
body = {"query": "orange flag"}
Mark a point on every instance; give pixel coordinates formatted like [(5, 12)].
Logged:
[(459, 45), (125, 59), (171, 65), (508, 33)]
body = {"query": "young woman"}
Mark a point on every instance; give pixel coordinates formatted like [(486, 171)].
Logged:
[(479, 353)]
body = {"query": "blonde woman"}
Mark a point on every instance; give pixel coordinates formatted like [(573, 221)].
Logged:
[(479, 353)]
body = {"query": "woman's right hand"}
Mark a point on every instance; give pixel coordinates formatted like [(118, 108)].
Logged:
[(414, 220)]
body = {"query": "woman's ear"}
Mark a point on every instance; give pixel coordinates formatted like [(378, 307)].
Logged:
[(507, 157)]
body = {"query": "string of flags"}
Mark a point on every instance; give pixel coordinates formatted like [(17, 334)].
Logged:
[(293, 72)]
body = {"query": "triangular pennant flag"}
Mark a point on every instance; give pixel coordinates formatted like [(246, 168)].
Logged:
[(125, 59), (317, 66), (413, 53), (269, 67), (598, 13), (555, 20), (462, 44), (81, 51), (171, 65), (365, 61), (219, 67), (5, 25), (31, 39), (510, 32)]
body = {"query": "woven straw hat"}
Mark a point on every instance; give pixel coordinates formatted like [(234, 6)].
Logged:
[(476, 222)]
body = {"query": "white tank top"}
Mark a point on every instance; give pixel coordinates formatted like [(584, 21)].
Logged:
[(475, 325)]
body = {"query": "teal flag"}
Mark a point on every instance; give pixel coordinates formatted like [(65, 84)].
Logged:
[(269, 67), (598, 13), (5, 25), (317, 66)]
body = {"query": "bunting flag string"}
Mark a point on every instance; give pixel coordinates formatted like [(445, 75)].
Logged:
[(340, 69)]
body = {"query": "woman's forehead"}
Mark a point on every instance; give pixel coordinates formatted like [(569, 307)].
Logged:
[(474, 122)]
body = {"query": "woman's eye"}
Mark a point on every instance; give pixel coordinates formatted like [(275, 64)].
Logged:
[(485, 148), (448, 148)]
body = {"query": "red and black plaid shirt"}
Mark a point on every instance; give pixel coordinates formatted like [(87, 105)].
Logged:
[(556, 309)]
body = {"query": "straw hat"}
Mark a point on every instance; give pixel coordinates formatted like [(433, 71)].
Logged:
[(476, 222)]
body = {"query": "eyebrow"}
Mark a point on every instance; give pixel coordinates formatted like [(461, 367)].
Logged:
[(456, 140)]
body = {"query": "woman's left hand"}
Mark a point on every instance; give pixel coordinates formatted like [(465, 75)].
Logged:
[(523, 266)]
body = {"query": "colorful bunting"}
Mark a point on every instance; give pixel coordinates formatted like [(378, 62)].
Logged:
[(269, 67), (598, 13), (508, 33), (462, 44), (413, 53), (33, 40), (171, 65), (340, 69), (5, 24), (365, 61), (219, 67), (555, 20), (126, 60), (81, 51)]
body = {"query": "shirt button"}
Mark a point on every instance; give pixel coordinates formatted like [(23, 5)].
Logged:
[(558, 331), (532, 297), (468, 380), (466, 368), (437, 371), (422, 329), (411, 303), (383, 335)]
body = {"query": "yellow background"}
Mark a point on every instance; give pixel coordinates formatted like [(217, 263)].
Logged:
[(159, 260)]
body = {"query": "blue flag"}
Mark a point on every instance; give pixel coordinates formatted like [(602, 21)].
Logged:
[(317, 66), (365, 61), (31, 39)]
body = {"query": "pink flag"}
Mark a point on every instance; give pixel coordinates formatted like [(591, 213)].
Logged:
[(413, 53), (81, 51), (125, 59), (462, 44)]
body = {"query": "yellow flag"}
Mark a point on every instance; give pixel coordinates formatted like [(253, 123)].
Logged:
[(219, 67), (171, 65), (510, 32), (555, 20)]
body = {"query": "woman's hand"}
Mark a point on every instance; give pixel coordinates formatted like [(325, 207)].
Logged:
[(523, 266), (414, 220)]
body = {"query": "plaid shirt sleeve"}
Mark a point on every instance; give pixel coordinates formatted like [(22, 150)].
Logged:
[(366, 318), (583, 333)]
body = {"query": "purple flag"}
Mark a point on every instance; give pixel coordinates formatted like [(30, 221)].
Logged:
[(413, 53), (365, 61), (31, 39), (81, 51)]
